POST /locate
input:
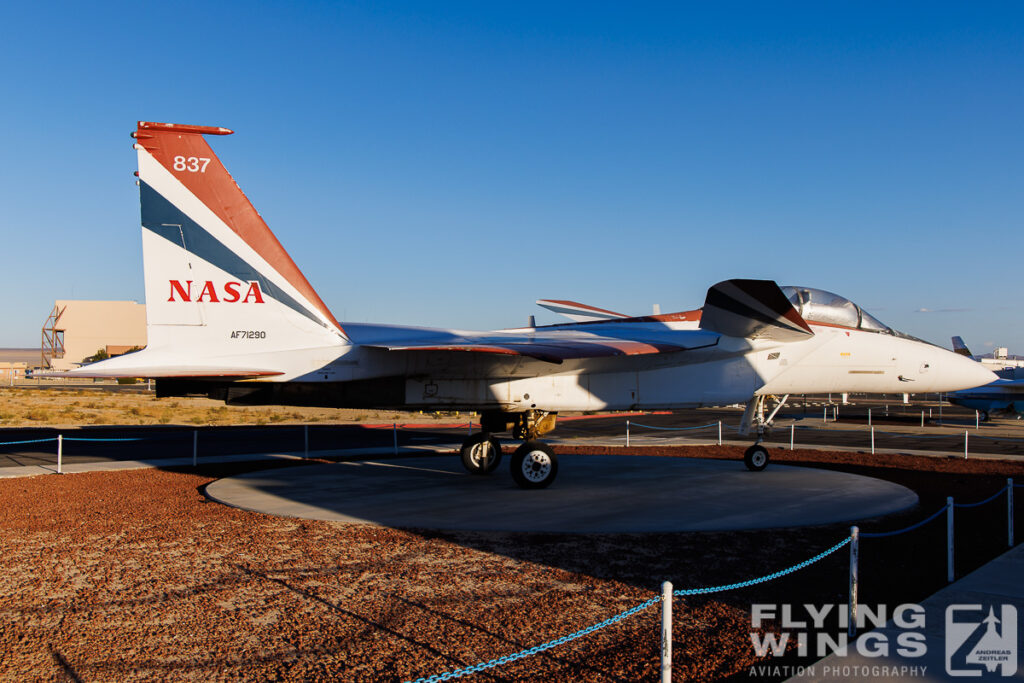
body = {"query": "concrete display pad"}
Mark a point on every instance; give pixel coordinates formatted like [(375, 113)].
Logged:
[(593, 494)]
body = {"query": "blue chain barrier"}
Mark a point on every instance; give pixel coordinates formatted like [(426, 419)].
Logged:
[(883, 534), (537, 649), (66, 438), (898, 435), (619, 617), (81, 438), (981, 502), (672, 429), (766, 577), (996, 438), (15, 443)]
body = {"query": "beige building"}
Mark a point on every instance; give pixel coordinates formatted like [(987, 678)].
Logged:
[(76, 330), (11, 373)]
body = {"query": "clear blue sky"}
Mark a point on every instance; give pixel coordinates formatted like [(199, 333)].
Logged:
[(448, 163)]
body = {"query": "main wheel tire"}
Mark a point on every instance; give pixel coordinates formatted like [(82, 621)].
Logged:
[(983, 415), (756, 458), (534, 465), (481, 453)]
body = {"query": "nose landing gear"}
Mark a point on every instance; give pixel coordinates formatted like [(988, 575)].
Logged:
[(756, 457)]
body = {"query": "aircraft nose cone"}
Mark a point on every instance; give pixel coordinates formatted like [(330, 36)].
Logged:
[(970, 374)]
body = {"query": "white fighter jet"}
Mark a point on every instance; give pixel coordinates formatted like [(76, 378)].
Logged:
[(230, 316)]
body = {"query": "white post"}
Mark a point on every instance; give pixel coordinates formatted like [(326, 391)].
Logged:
[(835, 413), (977, 420), (869, 417), (906, 398), (922, 418), (394, 433), (854, 556), (666, 632), (627, 433), (846, 398), (1009, 512), (195, 447), (872, 441), (949, 539), (719, 432), (305, 440), (824, 414), (60, 454), (792, 435), (966, 432)]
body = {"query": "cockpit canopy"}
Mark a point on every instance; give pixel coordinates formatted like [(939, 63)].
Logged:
[(819, 306)]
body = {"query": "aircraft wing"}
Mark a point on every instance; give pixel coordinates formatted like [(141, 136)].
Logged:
[(573, 310), (556, 346)]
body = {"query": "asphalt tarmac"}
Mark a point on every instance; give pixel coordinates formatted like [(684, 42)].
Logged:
[(596, 494)]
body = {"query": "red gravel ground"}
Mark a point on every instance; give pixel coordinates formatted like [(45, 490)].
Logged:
[(135, 575)]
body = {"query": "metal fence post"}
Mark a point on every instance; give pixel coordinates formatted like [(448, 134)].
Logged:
[(854, 559), (60, 454), (627, 433), (195, 447), (1009, 512), (949, 539), (977, 420), (666, 632), (872, 441), (965, 443), (824, 414), (922, 418), (719, 432), (792, 435), (869, 417)]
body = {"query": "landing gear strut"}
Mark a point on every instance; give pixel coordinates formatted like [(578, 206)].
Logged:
[(756, 457), (534, 465)]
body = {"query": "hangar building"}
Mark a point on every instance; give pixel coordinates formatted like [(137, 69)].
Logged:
[(76, 330)]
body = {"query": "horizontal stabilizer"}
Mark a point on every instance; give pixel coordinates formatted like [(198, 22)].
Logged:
[(163, 371), (753, 309), (581, 313)]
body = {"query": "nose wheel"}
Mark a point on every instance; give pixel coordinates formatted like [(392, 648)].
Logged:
[(756, 458)]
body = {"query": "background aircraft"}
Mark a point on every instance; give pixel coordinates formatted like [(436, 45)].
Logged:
[(1004, 395), (230, 316)]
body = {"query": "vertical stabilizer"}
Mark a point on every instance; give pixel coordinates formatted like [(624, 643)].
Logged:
[(217, 280), (961, 348)]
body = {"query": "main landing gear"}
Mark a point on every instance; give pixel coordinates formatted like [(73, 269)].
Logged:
[(756, 457), (534, 465)]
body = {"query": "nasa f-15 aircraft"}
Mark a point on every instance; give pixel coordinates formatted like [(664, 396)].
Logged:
[(230, 316)]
